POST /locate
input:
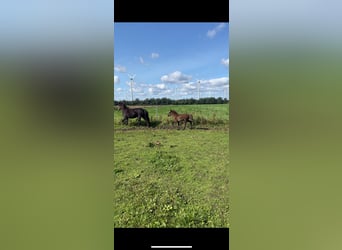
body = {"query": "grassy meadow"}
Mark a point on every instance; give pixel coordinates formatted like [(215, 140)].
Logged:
[(165, 177), (205, 116)]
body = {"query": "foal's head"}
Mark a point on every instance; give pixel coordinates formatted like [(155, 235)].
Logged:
[(171, 113)]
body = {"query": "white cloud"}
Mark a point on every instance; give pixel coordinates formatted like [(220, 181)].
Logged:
[(154, 55), (129, 83), (218, 82), (154, 91), (159, 89), (159, 92), (141, 60), (215, 83), (208, 87), (189, 86), (175, 77), (120, 68), (138, 89), (212, 33), (161, 86), (116, 79), (225, 62)]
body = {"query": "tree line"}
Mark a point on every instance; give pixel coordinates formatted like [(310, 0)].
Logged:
[(167, 101)]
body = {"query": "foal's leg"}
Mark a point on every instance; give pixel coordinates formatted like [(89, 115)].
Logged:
[(147, 121)]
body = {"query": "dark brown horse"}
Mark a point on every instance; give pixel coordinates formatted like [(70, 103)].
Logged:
[(133, 113), (181, 118)]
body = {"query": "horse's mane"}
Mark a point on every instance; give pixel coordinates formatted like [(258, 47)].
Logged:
[(173, 111), (122, 104)]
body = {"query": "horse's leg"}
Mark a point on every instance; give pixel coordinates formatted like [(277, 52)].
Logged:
[(190, 120), (147, 121), (146, 118), (185, 124), (124, 121), (139, 120)]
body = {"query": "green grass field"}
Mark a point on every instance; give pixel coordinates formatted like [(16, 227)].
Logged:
[(205, 116), (164, 177)]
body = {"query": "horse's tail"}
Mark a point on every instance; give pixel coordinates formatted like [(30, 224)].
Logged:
[(191, 118)]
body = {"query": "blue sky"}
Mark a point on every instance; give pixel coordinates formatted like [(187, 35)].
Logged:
[(173, 60)]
